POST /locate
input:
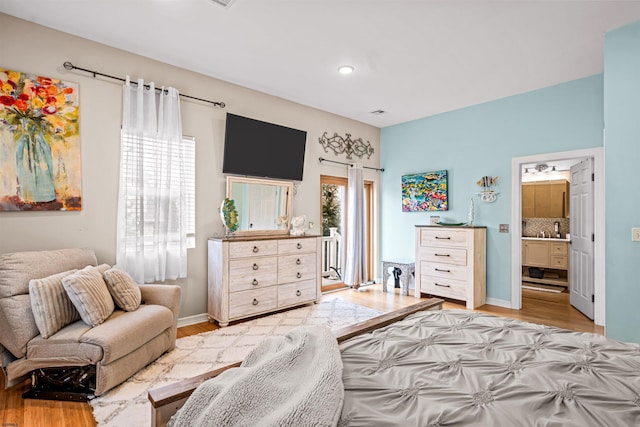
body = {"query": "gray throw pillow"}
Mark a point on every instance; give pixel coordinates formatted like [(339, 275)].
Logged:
[(89, 294), (51, 306), (123, 288)]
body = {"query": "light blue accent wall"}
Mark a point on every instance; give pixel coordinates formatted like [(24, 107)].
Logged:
[(478, 141), (622, 158)]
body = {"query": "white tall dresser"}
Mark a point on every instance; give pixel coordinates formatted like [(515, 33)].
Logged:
[(451, 263)]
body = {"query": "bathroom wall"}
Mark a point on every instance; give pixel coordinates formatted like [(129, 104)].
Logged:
[(531, 227)]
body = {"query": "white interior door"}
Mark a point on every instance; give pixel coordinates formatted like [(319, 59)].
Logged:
[(582, 237), (263, 207)]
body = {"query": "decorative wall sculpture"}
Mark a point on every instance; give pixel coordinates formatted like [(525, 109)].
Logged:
[(346, 145), (425, 192), (40, 162)]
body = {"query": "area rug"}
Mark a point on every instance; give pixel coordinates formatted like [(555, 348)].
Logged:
[(127, 405)]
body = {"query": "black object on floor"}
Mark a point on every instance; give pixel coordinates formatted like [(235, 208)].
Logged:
[(75, 384)]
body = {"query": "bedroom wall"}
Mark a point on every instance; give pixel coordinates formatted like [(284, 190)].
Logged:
[(622, 146), (478, 141), (35, 49)]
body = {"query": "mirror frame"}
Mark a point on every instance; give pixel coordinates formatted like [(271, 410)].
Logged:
[(289, 188)]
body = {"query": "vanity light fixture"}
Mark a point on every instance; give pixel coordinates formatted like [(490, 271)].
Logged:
[(346, 69)]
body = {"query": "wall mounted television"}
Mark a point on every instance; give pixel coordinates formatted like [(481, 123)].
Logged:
[(256, 148)]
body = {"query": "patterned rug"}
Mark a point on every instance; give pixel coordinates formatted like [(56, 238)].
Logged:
[(127, 404)]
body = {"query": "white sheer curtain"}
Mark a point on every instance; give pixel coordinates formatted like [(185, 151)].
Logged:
[(355, 272), (152, 225)]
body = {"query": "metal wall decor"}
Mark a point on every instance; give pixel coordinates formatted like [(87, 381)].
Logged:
[(487, 194), (347, 145)]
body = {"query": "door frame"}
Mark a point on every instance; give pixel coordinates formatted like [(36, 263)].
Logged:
[(597, 153), (369, 199)]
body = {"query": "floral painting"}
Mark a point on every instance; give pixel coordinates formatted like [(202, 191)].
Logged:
[(424, 192), (39, 143)]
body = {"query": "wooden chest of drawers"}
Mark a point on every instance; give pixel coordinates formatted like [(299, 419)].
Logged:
[(451, 262), (253, 276)]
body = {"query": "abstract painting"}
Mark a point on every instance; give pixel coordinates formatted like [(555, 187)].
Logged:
[(424, 192), (40, 163)]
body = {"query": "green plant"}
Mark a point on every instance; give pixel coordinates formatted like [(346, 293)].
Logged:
[(330, 208)]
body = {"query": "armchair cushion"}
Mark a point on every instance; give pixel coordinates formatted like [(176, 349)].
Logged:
[(124, 290), (52, 308), (89, 294)]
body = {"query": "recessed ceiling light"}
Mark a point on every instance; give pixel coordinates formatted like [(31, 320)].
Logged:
[(346, 69)]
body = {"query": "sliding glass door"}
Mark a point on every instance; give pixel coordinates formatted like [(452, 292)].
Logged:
[(334, 208)]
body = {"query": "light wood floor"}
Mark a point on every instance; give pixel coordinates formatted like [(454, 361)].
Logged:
[(538, 307)]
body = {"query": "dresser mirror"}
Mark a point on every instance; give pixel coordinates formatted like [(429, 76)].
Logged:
[(263, 205)]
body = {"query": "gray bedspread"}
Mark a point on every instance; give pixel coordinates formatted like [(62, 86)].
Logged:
[(461, 368)]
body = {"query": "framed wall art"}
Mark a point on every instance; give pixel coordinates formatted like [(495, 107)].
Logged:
[(39, 143), (425, 192)]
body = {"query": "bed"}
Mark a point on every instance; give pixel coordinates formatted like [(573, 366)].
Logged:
[(426, 367)]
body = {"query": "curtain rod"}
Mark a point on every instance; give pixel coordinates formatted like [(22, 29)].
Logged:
[(69, 66), (322, 159)]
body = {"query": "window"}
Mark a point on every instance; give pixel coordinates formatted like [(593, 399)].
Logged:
[(189, 143), (142, 204)]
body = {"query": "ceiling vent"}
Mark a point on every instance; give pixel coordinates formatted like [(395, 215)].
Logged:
[(225, 3), (378, 112)]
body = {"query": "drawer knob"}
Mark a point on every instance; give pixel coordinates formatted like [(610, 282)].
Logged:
[(255, 282), (299, 246), (442, 286), (444, 271), (299, 275), (255, 266), (298, 293), (298, 262), (443, 238), (255, 301), (442, 255), (255, 250)]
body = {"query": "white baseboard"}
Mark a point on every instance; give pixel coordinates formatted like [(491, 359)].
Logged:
[(192, 320), (498, 302)]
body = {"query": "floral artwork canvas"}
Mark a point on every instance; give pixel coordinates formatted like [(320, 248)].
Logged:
[(425, 192), (40, 162)]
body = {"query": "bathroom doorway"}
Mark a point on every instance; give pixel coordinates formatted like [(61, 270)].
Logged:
[(564, 238)]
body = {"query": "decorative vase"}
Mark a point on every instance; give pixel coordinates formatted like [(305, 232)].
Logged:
[(229, 216), (34, 166)]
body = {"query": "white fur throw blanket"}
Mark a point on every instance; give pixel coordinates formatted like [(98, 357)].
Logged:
[(293, 380)]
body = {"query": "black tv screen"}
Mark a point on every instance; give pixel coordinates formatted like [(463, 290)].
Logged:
[(256, 148)]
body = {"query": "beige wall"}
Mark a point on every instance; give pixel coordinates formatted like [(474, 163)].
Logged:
[(35, 49)]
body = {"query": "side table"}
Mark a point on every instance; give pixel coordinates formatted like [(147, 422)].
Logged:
[(407, 267)]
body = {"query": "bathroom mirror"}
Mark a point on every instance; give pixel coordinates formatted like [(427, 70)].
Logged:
[(263, 205)]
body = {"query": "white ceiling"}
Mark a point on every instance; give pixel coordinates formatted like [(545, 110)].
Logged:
[(413, 58)]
